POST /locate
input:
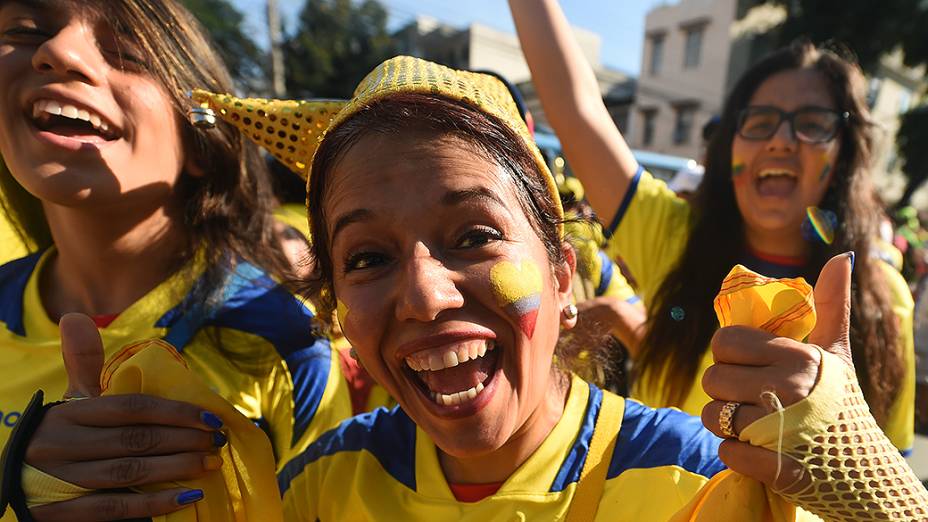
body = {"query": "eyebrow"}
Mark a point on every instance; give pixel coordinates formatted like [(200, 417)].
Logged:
[(451, 198), (355, 216), (456, 197)]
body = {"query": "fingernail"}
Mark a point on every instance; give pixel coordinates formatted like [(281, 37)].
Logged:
[(851, 255), (211, 420), (219, 439), (212, 462), (189, 497)]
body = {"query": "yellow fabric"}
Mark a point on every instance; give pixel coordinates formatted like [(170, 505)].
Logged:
[(11, 245), (41, 488), (586, 500), (292, 130), (731, 496), (650, 239), (246, 487), (783, 307)]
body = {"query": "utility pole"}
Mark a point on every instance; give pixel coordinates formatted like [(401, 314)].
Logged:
[(278, 86)]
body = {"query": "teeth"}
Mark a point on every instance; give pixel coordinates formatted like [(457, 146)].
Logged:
[(769, 173), (69, 111), (52, 107), (439, 360), (450, 359), (41, 107), (451, 399)]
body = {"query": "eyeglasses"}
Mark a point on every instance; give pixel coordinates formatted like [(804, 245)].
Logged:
[(808, 124)]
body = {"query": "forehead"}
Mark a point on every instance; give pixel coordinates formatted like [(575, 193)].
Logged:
[(794, 88), (410, 172), (85, 9)]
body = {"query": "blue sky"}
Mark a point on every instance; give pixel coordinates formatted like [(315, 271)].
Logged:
[(620, 23)]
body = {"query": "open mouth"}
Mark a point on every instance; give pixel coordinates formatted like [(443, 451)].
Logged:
[(69, 121), (776, 182), (455, 375)]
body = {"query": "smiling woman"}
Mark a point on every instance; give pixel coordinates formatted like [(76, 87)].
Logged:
[(787, 186), (151, 226), (438, 238)]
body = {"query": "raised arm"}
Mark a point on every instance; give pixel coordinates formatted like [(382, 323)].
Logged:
[(570, 96)]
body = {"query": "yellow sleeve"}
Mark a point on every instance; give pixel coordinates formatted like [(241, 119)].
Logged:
[(900, 427), (649, 232), (610, 281)]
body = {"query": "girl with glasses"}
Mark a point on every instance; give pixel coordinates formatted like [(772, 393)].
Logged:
[(787, 185)]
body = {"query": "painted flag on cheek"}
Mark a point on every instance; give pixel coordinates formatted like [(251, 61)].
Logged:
[(517, 289)]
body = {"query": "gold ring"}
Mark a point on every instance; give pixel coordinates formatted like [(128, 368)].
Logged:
[(727, 419)]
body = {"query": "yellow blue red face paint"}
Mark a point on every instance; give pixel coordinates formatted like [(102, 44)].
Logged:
[(737, 167), (819, 225), (517, 289)]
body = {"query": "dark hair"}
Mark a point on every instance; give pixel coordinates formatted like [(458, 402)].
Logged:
[(673, 349), (227, 210), (438, 117)]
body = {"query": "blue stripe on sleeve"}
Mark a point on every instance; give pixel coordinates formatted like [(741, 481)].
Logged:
[(254, 303), (651, 438), (626, 201), (906, 452), (605, 273), (633, 299), (576, 458), (390, 436), (14, 276)]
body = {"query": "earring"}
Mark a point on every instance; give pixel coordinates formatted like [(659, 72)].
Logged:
[(571, 312), (202, 117)]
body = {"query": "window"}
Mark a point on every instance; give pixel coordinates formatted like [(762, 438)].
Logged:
[(693, 49), (657, 54), (647, 126), (683, 127)]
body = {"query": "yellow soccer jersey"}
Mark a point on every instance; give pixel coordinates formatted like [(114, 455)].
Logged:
[(650, 232), (380, 466), (256, 349)]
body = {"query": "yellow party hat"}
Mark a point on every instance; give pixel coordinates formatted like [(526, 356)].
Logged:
[(292, 130)]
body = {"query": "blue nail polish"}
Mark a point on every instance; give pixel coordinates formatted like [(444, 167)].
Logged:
[(851, 255), (219, 439), (189, 497), (211, 420)]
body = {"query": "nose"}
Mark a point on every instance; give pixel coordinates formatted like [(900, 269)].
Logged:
[(71, 53), (783, 139), (427, 288)]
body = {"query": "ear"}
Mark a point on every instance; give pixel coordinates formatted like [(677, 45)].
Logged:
[(564, 275)]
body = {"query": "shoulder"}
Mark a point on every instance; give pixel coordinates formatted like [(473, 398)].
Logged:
[(388, 435), (254, 303), (14, 276), (651, 438)]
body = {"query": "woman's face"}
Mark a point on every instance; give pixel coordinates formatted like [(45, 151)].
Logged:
[(775, 179), (80, 119), (443, 287)]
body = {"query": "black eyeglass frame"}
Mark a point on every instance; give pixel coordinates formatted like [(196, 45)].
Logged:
[(790, 116)]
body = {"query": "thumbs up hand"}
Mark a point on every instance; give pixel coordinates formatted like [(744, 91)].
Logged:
[(117, 441), (749, 362)]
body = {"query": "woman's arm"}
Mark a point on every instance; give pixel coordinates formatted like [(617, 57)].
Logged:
[(573, 104)]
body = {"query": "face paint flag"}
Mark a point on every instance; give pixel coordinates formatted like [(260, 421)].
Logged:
[(737, 167), (517, 289)]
